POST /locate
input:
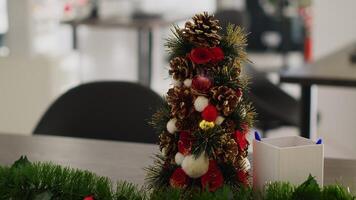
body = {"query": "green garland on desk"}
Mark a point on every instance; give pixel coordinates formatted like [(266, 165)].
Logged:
[(45, 181)]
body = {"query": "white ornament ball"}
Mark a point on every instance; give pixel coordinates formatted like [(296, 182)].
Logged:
[(187, 82), (176, 83), (171, 125), (219, 120), (178, 158), (201, 103), (195, 167)]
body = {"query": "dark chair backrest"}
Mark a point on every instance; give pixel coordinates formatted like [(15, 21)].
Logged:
[(103, 110), (274, 106)]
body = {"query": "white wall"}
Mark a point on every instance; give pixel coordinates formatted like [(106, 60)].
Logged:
[(334, 27), (27, 87)]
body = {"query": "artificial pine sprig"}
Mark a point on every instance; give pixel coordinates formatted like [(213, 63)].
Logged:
[(207, 140), (235, 43), (245, 113), (307, 190), (129, 191), (229, 172), (158, 174), (176, 45), (47, 181), (227, 76), (28, 180), (160, 118)]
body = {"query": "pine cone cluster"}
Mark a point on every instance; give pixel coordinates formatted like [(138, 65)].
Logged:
[(226, 99), (180, 69), (229, 150), (229, 126), (203, 30), (180, 100), (190, 123), (167, 142)]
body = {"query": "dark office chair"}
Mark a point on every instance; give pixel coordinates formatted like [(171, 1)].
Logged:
[(275, 108), (103, 110)]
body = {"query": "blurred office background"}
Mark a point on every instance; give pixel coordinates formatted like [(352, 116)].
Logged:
[(40, 58)]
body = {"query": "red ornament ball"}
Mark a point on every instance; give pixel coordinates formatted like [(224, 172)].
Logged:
[(201, 83), (201, 55), (213, 179), (218, 54), (91, 197), (179, 179), (210, 113), (185, 143), (242, 177)]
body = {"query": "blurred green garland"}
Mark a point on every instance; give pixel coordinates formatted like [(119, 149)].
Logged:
[(45, 181)]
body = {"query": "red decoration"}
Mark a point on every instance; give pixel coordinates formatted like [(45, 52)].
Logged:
[(218, 54), (91, 197), (201, 55), (185, 143), (210, 113), (179, 179), (201, 83), (213, 179), (238, 92), (240, 137), (245, 128), (242, 177)]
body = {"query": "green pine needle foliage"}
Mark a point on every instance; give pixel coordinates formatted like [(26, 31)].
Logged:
[(129, 191), (207, 140), (278, 191), (309, 189), (159, 173), (160, 118), (167, 193), (335, 192), (176, 45), (46, 181)]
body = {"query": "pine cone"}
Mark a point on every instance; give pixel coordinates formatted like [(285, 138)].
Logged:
[(180, 69), (180, 100), (228, 151), (189, 123), (166, 141), (226, 99), (229, 126), (243, 164), (203, 30)]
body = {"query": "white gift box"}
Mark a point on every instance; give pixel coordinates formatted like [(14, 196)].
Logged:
[(289, 159)]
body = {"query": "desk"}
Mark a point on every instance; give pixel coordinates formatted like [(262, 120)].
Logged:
[(121, 160), (144, 26), (333, 70), (116, 160)]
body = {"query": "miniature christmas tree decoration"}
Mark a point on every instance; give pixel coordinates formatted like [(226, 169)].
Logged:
[(203, 128)]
